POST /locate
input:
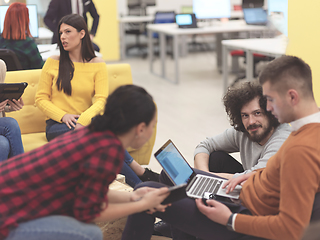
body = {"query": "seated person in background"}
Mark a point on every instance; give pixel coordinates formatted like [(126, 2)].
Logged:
[(10, 135), (256, 134), (64, 185), (69, 82), (278, 201), (16, 36)]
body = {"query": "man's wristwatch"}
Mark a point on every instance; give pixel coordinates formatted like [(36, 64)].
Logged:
[(229, 223)]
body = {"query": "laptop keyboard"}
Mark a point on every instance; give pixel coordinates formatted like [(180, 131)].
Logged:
[(206, 184)]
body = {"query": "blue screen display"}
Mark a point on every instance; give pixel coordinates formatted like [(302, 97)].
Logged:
[(174, 164), (183, 19)]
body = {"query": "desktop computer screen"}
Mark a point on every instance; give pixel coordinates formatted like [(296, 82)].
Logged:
[(278, 14), (33, 19), (252, 3), (210, 9)]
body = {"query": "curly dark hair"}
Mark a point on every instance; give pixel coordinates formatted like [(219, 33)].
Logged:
[(239, 96)]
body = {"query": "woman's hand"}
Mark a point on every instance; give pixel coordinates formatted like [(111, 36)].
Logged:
[(70, 120), (152, 198), (3, 105), (15, 105), (215, 211), (233, 182)]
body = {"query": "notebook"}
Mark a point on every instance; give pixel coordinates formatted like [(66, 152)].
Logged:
[(255, 16), (179, 171), (186, 20)]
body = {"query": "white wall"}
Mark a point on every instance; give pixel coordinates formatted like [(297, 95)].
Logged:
[(163, 5)]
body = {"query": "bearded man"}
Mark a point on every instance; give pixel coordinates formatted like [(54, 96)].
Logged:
[(256, 134)]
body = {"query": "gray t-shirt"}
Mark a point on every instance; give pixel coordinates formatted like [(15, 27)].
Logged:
[(253, 156)]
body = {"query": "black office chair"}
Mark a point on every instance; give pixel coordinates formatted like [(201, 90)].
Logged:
[(11, 59), (137, 29)]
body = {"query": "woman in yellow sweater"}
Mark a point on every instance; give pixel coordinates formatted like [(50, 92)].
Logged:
[(70, 81), (68, 84)]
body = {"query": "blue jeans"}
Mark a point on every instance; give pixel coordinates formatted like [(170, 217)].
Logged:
[(132, 178), (55, 227), (10, 138), (54, 129)]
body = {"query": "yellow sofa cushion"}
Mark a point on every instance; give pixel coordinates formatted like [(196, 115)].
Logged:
[(33, 140)]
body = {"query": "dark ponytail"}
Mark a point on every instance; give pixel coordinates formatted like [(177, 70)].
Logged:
[(126, 107)]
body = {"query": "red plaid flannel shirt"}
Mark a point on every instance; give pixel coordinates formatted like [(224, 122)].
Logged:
[(68, 176)]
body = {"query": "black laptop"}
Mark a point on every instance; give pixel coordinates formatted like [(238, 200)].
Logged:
[(186, 20)]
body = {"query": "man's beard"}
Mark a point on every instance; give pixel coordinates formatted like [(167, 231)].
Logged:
[(255, 137)]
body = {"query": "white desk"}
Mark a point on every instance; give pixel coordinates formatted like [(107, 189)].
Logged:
[(273, 47), (171, 29), (47, 50), (122, 23)]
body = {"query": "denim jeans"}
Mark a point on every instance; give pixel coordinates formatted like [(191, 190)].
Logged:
[(55, 129), (132, 178), (10, 138), (55, 227)]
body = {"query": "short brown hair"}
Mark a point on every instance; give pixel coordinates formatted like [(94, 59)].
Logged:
[(288, 72), (239, 96)]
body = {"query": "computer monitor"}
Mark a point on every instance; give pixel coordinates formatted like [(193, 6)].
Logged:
[(148, 3), (140, 3), (278, 14), (133, 3), (33, 18), (252, 3), (210, 9)]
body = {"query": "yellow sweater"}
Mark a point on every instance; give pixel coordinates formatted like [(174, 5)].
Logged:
[(281, 196), (89, 80)]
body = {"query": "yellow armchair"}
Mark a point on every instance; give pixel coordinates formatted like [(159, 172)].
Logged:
[(32, 121)]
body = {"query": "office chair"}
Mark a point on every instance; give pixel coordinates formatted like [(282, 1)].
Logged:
[(164, 17), (256, 59), (11, 59), (136, 29)]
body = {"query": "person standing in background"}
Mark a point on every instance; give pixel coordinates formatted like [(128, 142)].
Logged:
[(60, 8)]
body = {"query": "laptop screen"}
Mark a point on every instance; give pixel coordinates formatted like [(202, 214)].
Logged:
[(255, 16), (174, 164), (183, 19)]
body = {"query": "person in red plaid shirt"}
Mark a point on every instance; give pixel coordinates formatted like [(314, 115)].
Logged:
[(57, 191)]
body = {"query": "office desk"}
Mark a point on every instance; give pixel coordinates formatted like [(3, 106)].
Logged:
[(273, 47), (47, 50), (122, 23), (171, 29)]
